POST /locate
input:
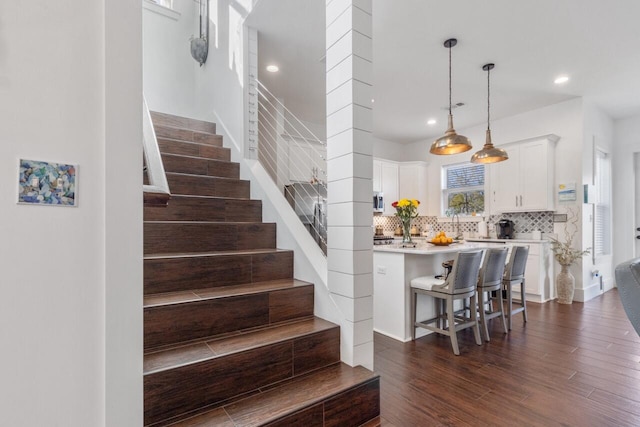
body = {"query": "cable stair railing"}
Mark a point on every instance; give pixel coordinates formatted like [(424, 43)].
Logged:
[(295, 158)]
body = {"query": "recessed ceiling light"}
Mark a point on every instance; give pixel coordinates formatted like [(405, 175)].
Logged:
[(273, 68), (373, 100), (431, 122), (561, 80)]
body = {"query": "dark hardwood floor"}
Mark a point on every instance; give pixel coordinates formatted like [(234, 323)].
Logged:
[(576, 365)]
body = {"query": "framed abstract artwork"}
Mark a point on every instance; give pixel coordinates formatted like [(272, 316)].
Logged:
[(47, 183)]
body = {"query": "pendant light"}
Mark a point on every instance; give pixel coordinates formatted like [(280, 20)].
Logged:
[(489, 153), (451, 142)]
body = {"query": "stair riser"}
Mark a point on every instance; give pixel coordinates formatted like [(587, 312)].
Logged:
[(187, 389), (191, 149), (205, 186), (244, 372), (164, 119), (178, 274), (172, 237), (188, 135), (353, 407), (206, 167), (206, 209), (170, 324)]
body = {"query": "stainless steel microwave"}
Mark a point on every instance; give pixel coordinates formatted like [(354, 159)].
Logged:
[(378, 201)]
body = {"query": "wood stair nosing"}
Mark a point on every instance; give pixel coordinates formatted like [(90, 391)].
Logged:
[(176, 236), (194, 165), (334, 396), (206, 208), (187, 148), (173, 323), (166, 119), (182, 272), (199, 185)]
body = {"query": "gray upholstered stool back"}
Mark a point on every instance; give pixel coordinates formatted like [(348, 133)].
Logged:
[(628, 281), (493, 267), (464, 276), (517, 263)]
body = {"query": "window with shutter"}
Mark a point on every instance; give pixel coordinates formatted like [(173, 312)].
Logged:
[(602, 223), (463, 189)]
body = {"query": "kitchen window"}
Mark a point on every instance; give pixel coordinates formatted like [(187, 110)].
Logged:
[(463, 189), (602, 223)]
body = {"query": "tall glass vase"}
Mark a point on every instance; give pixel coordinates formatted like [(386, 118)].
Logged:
[(565, 285), (406, 230)]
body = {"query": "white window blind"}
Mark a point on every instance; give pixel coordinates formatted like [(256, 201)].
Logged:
[(602, 223), (463, 188)]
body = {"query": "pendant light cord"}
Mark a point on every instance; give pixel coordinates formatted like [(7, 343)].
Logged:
[(488, 99), (449, 79)]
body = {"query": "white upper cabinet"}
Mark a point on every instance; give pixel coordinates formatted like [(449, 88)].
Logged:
[(413, 183), (398, 180), (525, 182)]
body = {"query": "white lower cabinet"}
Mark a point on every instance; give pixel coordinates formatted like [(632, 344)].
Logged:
[(539, 282)]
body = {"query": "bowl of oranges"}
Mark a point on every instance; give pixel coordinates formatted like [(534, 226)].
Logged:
[(441, 239)]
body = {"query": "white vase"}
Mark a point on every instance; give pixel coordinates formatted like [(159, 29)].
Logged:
[(565, 285)]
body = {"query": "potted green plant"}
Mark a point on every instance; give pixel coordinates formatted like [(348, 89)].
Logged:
[(567, 255)]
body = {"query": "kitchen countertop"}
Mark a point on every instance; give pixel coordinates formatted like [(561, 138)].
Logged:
[(507, 240), (424, 248)]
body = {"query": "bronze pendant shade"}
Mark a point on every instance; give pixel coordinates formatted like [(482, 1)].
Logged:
[(451, 142), (489, 153)]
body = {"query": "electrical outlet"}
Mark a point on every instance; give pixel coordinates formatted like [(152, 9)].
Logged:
[(382, 270)]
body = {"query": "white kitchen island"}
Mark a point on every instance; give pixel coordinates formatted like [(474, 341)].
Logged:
[(394, 267)]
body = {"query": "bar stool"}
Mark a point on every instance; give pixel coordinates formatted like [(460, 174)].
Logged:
[(459, 285), (514, 275), (490, 280)]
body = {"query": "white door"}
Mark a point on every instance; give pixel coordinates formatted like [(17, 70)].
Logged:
[(636, 233), (389, 186)]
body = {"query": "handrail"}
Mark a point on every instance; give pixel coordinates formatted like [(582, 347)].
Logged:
[(157, 192)]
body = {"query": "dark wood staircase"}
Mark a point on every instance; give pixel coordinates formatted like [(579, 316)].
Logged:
[(229, 335)]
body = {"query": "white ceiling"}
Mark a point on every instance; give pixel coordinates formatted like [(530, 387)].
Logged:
[(595, 42)]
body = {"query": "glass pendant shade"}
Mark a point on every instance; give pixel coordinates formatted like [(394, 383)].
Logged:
[(489, 153), (451, 142)]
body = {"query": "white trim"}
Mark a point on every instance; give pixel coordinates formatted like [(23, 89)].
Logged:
[(152, 6)]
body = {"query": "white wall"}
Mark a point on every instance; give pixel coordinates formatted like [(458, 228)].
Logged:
[(169, 69), (598, 133), (71, 277), (625, 178), (389, 150)]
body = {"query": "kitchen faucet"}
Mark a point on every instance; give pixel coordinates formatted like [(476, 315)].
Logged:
[(458, 235)]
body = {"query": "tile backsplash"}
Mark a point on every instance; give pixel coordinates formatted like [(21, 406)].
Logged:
[(525, 222)]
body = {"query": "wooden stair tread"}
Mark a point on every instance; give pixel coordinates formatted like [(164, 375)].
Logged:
[(195, 352), (216, 253), (169, 298), (287, 397)]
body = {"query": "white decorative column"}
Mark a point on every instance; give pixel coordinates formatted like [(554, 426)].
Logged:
[(350, 167)]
